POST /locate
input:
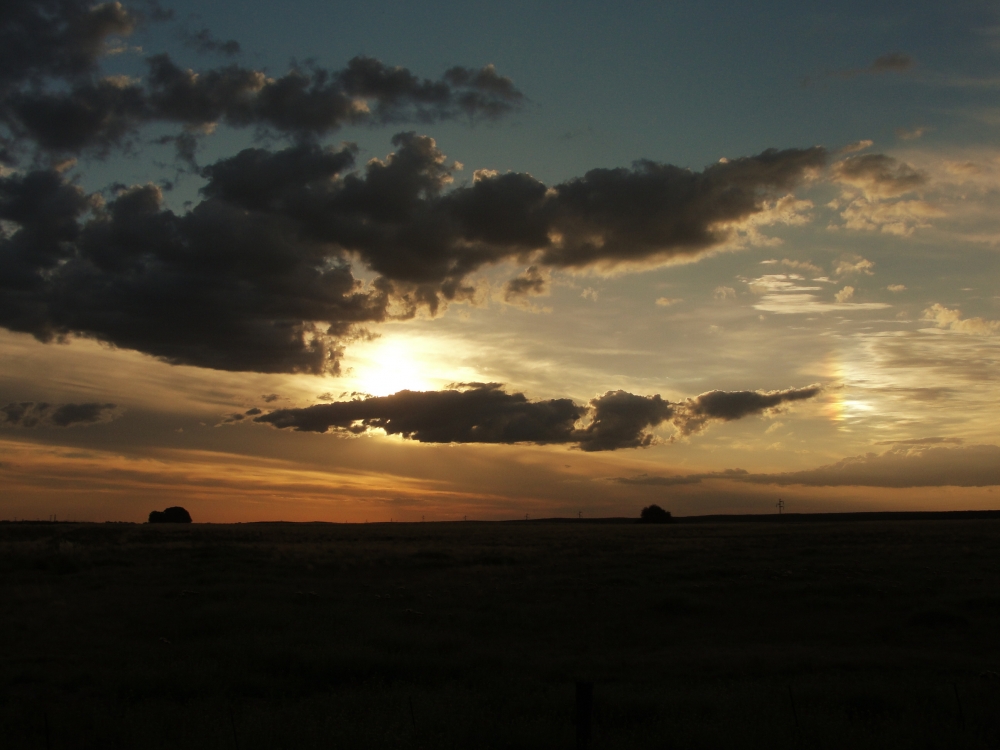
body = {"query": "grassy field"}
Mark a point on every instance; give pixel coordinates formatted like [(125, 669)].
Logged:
[(870, 634)]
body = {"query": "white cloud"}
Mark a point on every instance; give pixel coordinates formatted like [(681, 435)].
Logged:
[(784, 294), (952, 320), (723, 292), (854, 264), (844, 294)]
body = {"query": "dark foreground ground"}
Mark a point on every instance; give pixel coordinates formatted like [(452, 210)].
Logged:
[(868, 634)]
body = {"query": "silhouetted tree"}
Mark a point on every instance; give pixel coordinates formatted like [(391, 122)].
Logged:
[(654, 514), (170, 515)]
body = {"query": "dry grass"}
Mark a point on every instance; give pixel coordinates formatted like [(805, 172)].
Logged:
[(826, 635)]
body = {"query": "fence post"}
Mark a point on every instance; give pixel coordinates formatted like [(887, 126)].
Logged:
[(584, 710)]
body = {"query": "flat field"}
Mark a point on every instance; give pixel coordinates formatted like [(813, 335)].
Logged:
[(863, 634)]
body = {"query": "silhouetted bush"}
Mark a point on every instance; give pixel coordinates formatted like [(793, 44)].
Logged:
[(170, 515), (654, 514)]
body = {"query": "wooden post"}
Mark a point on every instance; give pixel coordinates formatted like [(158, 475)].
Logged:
[(584, 709)]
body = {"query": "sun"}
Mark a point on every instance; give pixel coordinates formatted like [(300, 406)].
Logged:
[(391, 364)]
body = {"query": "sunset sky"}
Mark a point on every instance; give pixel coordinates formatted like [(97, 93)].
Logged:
[(348, 262)]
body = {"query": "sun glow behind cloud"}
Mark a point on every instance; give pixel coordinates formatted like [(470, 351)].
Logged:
[(393, 363)]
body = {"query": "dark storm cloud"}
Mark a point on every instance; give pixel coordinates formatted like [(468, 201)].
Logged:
[(257, 276), (305, 103), (41, 414), (64, 39), (216, 287), (53, 96), (621, 420), (725, 406), (399, 219), (485, 413), (479, 413)]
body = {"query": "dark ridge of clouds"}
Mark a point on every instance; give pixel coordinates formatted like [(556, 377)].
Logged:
[(679, 479), (305, 104), (217, 287), (397, 216), (42, 414), (257, 276), (486, 413), (903, 466), (725, 406), (909, 464), (621, 420), (657, 481), (54, 98), (61, 39), (479, 413), (923, 441)]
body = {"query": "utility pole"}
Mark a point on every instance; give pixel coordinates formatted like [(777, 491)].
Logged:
[(780, 505)]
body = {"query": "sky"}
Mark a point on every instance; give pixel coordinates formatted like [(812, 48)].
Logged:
[(361, 262)]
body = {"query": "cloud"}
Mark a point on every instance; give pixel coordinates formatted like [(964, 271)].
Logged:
[(658, 481), (851, 264), (621, 420), (216, 287), (694, 414), (911, 135), (486, 413), (952, 320), (853, 148), (871, 183), (900, 218), (475, 413), (893, 62), (668, 301), (724, 292), (896, 287), (533, 282), (258, 275), (845, 294), (54, 97), (41, 414), (878, 175), (787, 294), (205, 42), (923, 441), (798, 265), (902, 466), (56, 39), (908, 464)]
